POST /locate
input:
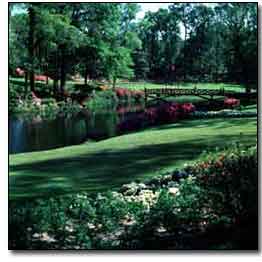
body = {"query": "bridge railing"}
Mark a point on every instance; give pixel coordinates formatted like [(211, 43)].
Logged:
[(184, 91)]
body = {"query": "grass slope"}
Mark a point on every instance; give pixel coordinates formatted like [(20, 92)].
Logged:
[(211, 86), (141, 85), (107, 164)]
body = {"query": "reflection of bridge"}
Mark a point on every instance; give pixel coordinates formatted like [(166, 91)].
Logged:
[(209, 94)]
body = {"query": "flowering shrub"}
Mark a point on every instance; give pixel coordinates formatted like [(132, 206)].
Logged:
[(36, 100), (137, 94), (188, 107), (151, 114), (209, 204), (124, 93), (104, 87), (230, 181), (231, 102), (41, 78), (123, 109), (169, 112), (19, 72)]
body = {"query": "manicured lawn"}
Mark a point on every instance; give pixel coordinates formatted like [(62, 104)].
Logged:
[(107, 164), (142, 85)]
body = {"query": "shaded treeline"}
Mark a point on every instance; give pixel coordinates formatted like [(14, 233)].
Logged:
[(186, 42)]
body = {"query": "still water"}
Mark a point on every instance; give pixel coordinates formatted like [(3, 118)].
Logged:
[(36, 134)]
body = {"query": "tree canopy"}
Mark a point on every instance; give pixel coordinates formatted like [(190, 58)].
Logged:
[(186, 42)]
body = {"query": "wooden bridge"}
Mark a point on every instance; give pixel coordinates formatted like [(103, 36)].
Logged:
[(208, 94)]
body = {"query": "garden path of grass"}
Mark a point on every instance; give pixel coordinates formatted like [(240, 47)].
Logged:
[(211, 86), (107, 164), (141, 85)]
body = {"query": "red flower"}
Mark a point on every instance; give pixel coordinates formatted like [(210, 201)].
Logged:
[(231, 102)]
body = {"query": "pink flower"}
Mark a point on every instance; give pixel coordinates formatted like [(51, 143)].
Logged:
[(231, 102)]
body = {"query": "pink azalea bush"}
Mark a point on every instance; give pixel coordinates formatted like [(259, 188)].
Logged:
[(165, 113), (231, 102), (124, 93), (36, 100), (41, 78), (19, 72)]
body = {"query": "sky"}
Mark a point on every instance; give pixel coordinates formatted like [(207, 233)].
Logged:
[(153, 7)]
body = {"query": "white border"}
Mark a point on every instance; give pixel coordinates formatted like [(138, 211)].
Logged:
[(68, 256)]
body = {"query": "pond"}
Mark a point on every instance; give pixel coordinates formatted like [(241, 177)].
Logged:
[(36, 134)]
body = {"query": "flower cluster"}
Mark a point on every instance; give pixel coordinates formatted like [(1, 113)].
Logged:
[(168, 112), (41, 78), (231, 102), (123, 109), (124, 93), (104, 87)]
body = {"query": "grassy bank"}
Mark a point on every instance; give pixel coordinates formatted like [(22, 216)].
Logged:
[(107, 164), (211, 86), (140, 85)]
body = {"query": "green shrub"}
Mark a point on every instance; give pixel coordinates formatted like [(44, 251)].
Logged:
[(102, 99)]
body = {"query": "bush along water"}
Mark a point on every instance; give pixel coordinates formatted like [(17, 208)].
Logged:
[(106, 97), (31, 106), (165, 113), (212, 204), (231, 103), (128, 94)]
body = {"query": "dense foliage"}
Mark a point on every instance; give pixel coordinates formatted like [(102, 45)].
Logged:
[(186, 42), (211, 204)]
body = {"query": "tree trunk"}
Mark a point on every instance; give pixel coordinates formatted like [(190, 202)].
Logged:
[(114, 82), (26, 82), (55, 84), (184, 73), (86, 74), (63, 70), (31, 13), (55, 80)]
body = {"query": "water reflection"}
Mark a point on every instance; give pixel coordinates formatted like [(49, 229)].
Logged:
[(40, 134)]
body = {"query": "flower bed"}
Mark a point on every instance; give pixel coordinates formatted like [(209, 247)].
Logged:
[(231, 102), (212, 203), (127, 94), (48, 108), (169, 112)]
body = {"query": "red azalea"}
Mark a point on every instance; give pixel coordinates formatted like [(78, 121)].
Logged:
[(231, 102)]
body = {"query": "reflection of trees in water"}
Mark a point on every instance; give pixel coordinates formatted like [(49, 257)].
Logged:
[(102, 124), (17, 136), (75, 129), (40, 134)]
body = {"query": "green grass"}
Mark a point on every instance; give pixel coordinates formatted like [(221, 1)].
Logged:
[(107, 164), (142, 85), (250, 108)]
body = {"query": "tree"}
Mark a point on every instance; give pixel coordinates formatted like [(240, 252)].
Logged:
[(240, 36), (161, 43), (31, 45), (141, 67), (57, 42), (105, 41)]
